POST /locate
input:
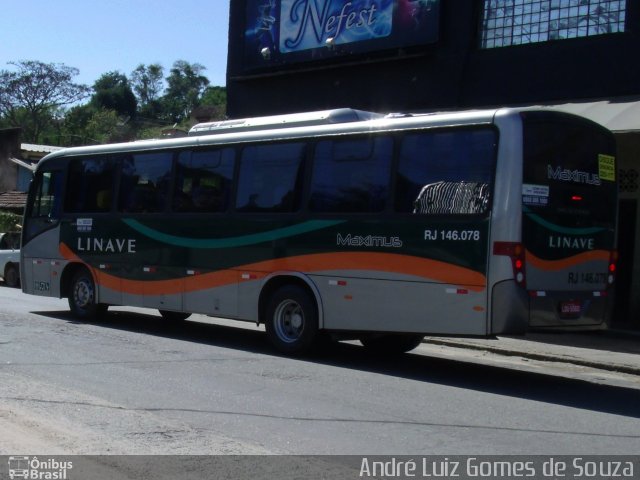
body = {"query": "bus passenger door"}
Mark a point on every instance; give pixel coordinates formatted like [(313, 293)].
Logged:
[(41, 235)]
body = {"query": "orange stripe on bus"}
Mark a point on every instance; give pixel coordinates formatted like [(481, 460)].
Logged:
[(555, 265), (432, 270), (381, 262), (157, 287)]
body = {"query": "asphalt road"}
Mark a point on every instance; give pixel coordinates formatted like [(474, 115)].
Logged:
[(136, 384)]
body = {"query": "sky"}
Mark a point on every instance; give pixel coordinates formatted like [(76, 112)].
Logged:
[(100, 36)]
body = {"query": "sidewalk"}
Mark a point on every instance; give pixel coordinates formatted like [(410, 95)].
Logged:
[(613, 351)]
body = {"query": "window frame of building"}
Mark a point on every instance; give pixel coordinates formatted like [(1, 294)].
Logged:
[(507, 23)]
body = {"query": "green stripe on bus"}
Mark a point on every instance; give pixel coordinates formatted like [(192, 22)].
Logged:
[(230, 242), (558, 229)]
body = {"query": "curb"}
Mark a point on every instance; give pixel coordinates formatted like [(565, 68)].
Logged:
[(541, 356)]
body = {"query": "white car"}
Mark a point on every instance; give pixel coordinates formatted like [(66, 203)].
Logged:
[(10, 258)]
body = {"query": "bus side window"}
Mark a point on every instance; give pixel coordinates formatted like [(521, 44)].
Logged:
[(271, 178), (92, 180), (446, 172), (203, 180), (351, 175), (144, 182)]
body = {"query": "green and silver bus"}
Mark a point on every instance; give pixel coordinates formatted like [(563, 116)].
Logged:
[(382, 228)]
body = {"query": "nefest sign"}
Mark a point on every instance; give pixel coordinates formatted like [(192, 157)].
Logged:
[(279, 32)]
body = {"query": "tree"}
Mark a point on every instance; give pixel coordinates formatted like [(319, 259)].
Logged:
[(215, 97), (74, 130), (8, 221), (185, 87), (90, 125), (213, 105), (113, 92), (34, 91), (147, 82), (105, 127)]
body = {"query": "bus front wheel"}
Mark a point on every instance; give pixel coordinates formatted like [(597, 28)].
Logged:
[(82, 296), (291, 320)]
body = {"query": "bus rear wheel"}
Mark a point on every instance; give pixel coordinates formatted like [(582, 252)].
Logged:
[(291, 320), (82, 297), (391, 344)]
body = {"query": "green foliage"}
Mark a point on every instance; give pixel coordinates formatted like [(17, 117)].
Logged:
[(215, 96), (113, 92), (90, 125), (120, 109), (150, 133), (33, 91), (105, 126), (215, 100), (147, 83), (185, 85), (9, 221)]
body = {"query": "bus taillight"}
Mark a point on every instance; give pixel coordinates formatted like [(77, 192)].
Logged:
[(515, 251), (613, 261)]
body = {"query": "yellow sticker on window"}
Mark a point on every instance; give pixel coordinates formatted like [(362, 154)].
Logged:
[(607, 167)]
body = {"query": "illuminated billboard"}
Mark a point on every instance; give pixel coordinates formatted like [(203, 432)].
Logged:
[(282, 32)]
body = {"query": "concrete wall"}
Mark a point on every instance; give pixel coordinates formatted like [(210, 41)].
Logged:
[(9, 147)]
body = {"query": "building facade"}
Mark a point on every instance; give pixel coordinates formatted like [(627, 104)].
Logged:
[(474, 53), (9, 148), (17, 162), (426, 55)]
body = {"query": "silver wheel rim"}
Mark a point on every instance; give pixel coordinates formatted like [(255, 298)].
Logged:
[(83, 294), (288, 320)]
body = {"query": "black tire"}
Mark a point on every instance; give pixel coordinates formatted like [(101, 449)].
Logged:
[(12, 275), (291, 320), (391, 344), (82, 297), (174, 316)]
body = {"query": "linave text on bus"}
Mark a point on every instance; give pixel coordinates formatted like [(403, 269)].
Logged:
[(107, 245), (575, 176), (557, 241)]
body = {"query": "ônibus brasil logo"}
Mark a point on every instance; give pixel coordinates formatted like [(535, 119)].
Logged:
[(35, 469)]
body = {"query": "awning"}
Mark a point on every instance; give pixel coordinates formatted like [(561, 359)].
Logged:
[(618, 115), (23, 164), (30, 147)]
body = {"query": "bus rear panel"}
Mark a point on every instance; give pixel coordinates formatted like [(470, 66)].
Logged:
[(569, 201)]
